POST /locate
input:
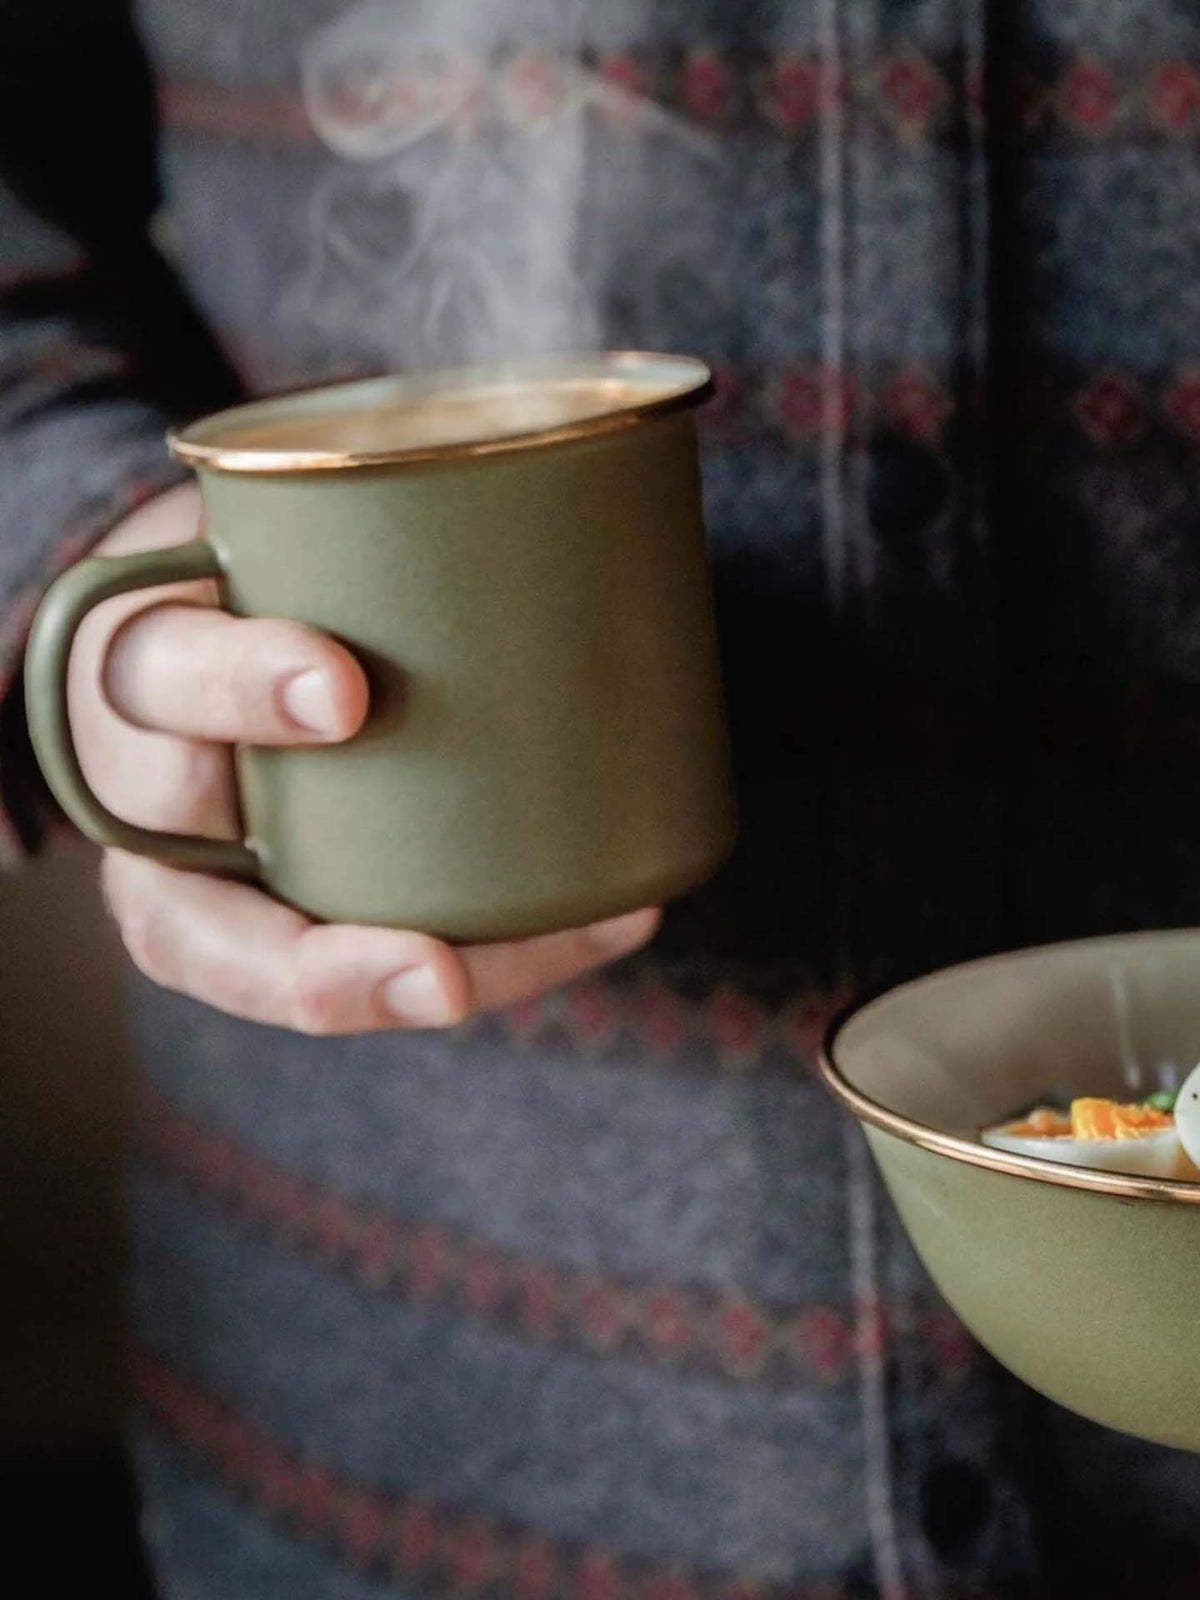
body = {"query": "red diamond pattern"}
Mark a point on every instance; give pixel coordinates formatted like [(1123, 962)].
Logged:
[(916, 406), (821, 1341), (600, 1313), (365, 1526), (707, 88), (1175, 96), (661, 1019), (316, 1494), (538, 1301), (535, 88), (378, 1249), (743, 1336), (792, 92), (913, 91), (553, 1302), (811, 400), (416, 1538), (1109, 409), (468, 1555), (245, 1446), (628, 83), (534, 1571), (202, 1420), (801, 404), (871, 1331), (726, 401), (802, 1028), (735, 1022), (334, 1226), (428, 1260), (667, 1320), (277, 1197), (219, 1163), (668, 1586), (1183, 405), (597, 1578), (471, 1554), (1088, 97), (592, 1013), (953, 1348), (524, 1017), (277, 1483), (482, 1281)]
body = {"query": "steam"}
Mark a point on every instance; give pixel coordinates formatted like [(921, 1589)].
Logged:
[(454, 225)]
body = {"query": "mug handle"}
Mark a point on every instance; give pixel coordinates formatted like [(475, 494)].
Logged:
[(54, 628)]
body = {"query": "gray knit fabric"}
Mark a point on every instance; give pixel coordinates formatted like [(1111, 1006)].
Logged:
[(600, 1297)]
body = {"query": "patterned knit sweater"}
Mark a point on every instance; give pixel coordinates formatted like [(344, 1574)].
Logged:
[(598, 1299)]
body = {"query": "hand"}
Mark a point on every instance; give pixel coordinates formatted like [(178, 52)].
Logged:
[(161, 685)]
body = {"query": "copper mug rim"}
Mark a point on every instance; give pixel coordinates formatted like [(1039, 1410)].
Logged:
[(631, 387)]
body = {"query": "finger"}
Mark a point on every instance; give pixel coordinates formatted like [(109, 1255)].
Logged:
[(502, 974), (205, 675), (235, 948)]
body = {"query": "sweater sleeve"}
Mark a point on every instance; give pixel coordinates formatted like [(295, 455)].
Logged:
[(100, 347)]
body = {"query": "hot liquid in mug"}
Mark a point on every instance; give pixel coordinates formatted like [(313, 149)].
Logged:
[(517, 557)]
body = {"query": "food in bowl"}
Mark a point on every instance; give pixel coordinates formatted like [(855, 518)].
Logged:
[(1084, 1282), (1158, 1137)]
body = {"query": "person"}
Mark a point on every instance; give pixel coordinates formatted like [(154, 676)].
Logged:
[(494, 1271)]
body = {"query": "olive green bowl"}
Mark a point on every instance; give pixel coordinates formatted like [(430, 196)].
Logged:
[(1086, 1284)]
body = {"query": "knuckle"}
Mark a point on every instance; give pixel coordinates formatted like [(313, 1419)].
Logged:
[(282, 637), (174, 784), (313, 1007), (194, 775), (239, 695), (266, 645), (144, 936)]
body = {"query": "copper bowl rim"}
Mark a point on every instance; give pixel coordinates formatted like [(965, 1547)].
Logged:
[(969, 1152)]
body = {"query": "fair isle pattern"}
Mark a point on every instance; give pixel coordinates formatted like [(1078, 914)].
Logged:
[(405, 1539), (1110, 409), (649, 1023), (858, 346), (726, 1337), (1117, 409), (788, 408), (909, 96)]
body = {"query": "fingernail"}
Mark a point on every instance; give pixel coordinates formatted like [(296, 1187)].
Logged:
[(623, 933), (308, 701), (416, 998)]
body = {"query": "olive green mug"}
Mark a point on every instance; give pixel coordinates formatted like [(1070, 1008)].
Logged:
[(516, 555)]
